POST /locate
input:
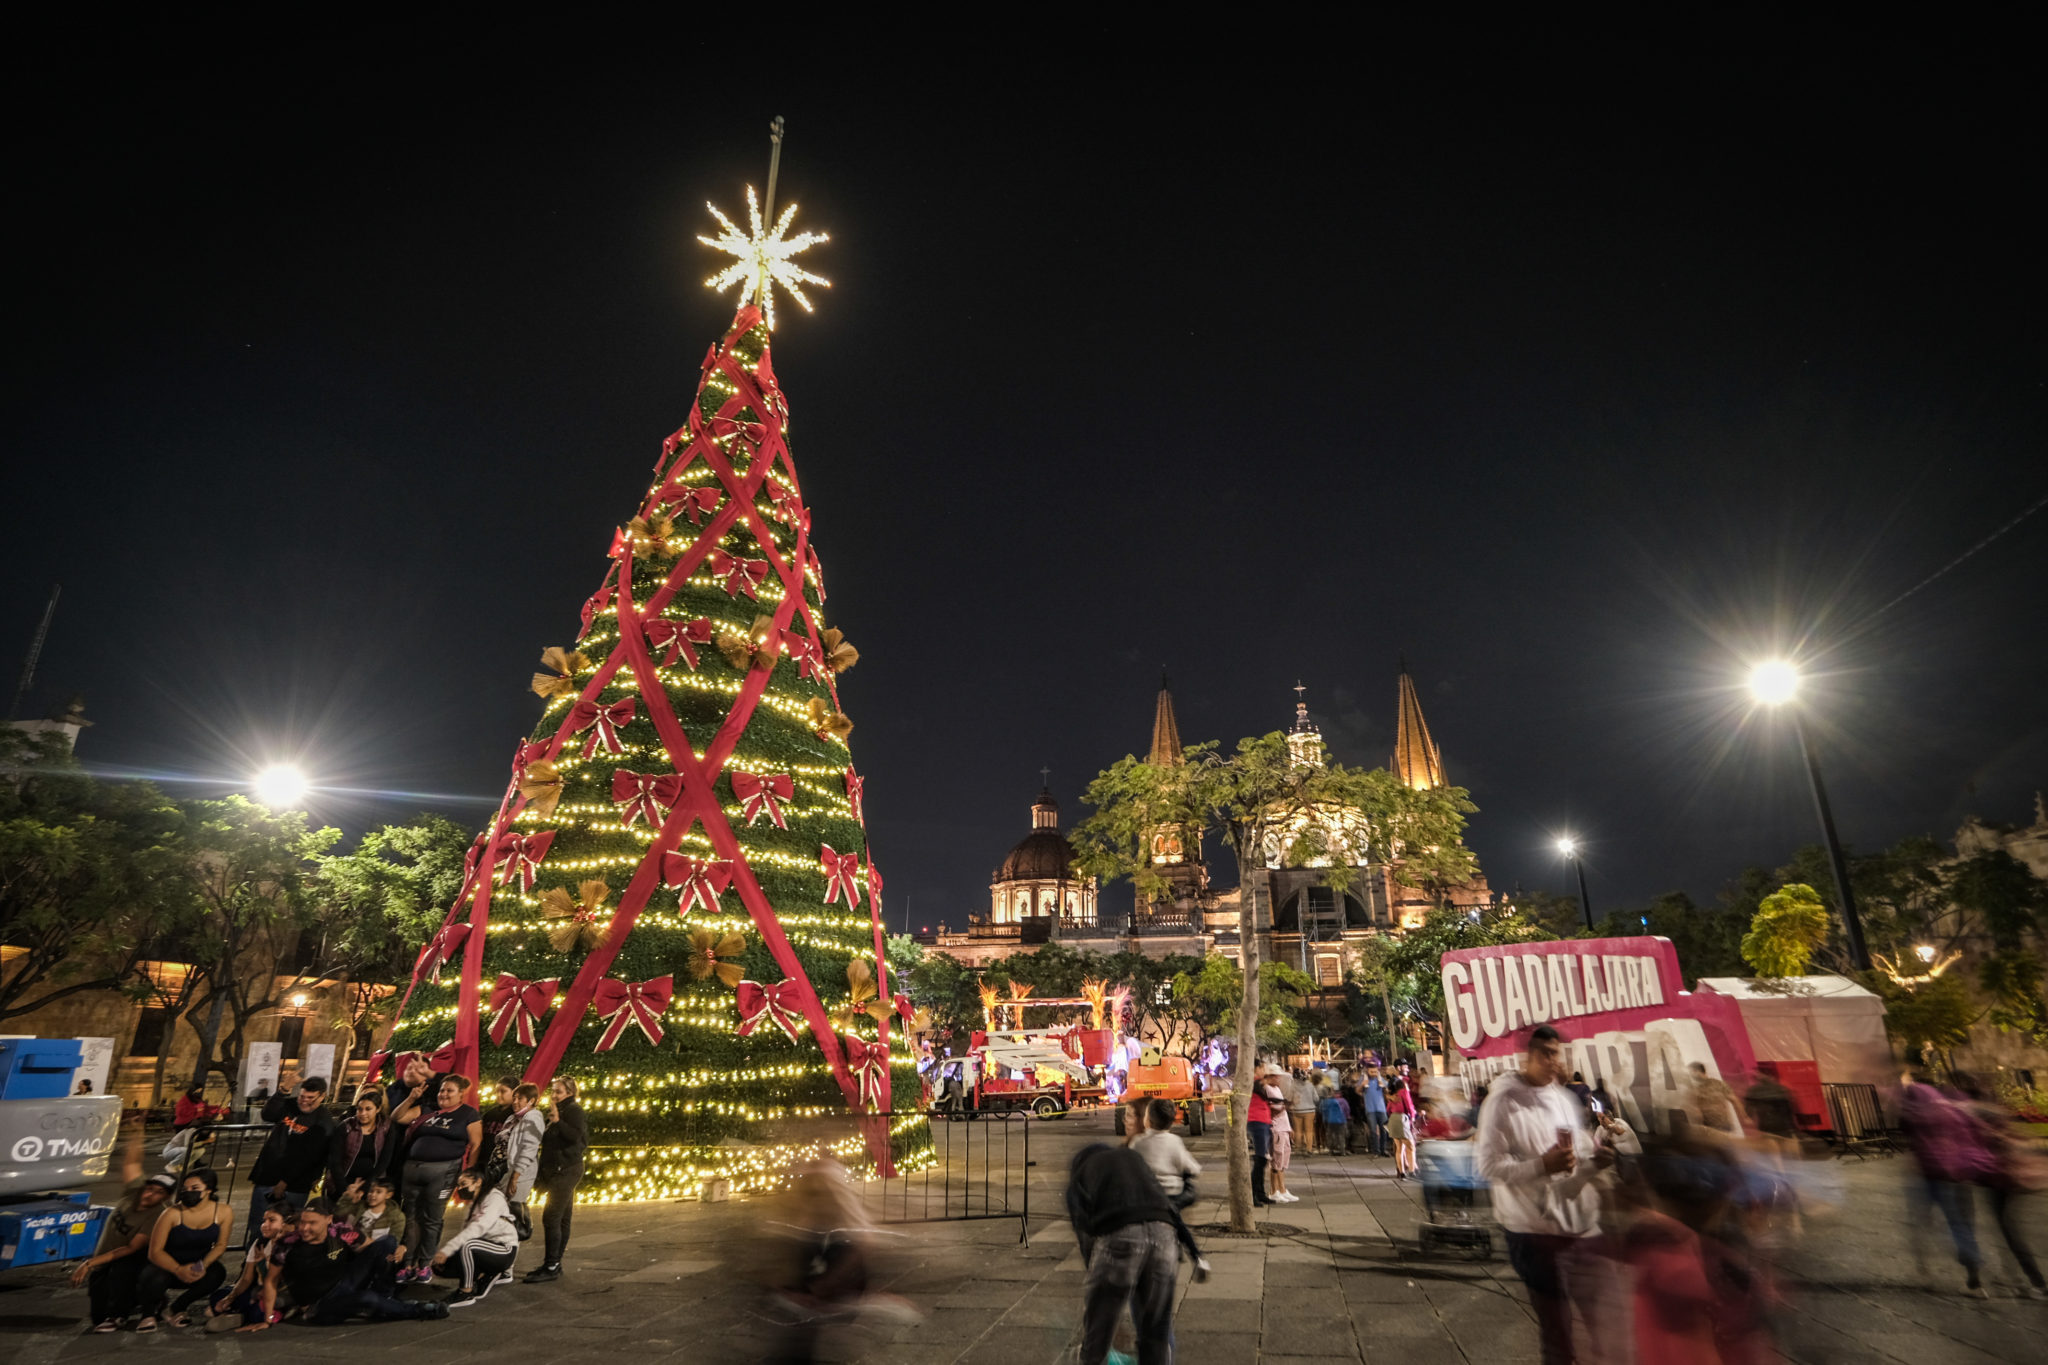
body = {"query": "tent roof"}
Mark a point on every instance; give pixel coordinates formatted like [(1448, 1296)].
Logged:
[(1789, 988)]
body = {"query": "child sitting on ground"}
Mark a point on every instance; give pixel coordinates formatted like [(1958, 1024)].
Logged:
[(242, 1302), (372, 1210)]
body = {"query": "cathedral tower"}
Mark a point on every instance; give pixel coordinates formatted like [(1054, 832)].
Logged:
[(1416, 760)]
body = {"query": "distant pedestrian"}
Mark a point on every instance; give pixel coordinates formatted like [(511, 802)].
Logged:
[(562, 1144), (1129, 1236), (1376, 1113), (1534, 1148), (1401, 1127), (1336, 1116), (1301, 1111), (1283, 1143), (1259, 1130)]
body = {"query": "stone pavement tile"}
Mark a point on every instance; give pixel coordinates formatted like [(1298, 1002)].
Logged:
[(1887, 1336), (1218, 1315), (1009, 1345), (1303, 1333), (1268, 1358), (1214, 1348), (1232, 1287), (1315, 1303), (1373, 1287), (1301, 1275), (665, 1272), (1436, 1350)]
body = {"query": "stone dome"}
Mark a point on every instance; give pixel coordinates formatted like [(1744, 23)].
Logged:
[(1043, 853)]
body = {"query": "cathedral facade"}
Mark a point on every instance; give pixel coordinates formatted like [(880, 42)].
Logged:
[(1035, 896)]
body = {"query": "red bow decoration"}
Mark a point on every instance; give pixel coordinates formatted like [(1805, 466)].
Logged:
[(440, 950), (376, 1068), (599, 600), (874, 886), (680, 637), (869, 1063), (854, 786), (764, 375), (475, 851), (804, 650), (519, 1004), (619, 543), (520, 855), (675, 438), (701, 880), (782, 1003), (603, 722), (814, 570), (788, 508), (904, 1007), (740, 575), (442, 1059), (763, 794), (698, 503), (724, 427), (645, 796), (842, 876), (631, 1002)]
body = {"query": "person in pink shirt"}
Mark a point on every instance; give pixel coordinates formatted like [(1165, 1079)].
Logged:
[(1401, 1126)]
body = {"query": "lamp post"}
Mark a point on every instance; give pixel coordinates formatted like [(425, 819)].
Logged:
[(1568, 848), (1774, 684)]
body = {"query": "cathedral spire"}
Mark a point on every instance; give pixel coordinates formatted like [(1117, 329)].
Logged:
[(1417, 761), (1165, 729)]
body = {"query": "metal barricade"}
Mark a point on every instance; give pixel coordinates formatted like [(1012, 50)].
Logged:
[(980, 1168), (1858, 1117), (230, 1149)]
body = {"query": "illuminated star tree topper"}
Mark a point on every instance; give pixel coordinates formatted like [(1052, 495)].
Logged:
[(762, 260)]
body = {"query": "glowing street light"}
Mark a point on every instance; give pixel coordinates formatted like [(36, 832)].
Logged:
[(281, 787), (1775, 682), (1925, 952), (1568, 849)]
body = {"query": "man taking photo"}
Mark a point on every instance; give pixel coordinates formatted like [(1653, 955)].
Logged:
[(294, 1157)]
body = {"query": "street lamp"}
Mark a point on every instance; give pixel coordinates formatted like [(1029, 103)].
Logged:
[(1568, 849), (281, 786), (1775, 682)]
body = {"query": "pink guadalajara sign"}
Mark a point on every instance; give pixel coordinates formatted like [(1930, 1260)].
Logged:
[(1621, 1005)]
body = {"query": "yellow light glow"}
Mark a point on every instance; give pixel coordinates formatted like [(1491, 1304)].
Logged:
[(1773, 682), (762, 259)]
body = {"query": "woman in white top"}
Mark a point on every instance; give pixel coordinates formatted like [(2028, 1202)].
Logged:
[(481, 1252)]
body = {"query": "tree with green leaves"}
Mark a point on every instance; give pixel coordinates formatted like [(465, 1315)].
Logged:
[(1708, 939), (1790, 924), (93, 875), (1268, 806)]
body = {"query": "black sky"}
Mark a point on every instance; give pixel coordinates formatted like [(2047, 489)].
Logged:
[(326, 388)]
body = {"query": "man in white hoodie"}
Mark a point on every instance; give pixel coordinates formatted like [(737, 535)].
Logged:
[(1545, 1169)]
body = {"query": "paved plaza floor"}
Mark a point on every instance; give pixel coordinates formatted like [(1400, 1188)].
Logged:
[(1336, 1277)]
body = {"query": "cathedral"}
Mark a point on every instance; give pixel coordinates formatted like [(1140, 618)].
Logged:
[(1036, 897)]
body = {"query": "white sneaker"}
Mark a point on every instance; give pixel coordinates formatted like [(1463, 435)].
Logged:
[(1286, 1197)]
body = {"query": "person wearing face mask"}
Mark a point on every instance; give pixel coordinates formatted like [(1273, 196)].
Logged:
[(110, 1275), (480, 1254), (185, 1248), (444, 1141)]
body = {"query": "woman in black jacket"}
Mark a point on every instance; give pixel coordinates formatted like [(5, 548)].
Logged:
[(562, 1145), (363, 1147)]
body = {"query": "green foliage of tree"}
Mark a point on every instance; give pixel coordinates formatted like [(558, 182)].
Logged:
[(1258, 798), (2012, 978), (1416, 957), (1937, 1014), (92, 875), (1789, 924), (1708, 939), (2004, 894), (1558, 916)]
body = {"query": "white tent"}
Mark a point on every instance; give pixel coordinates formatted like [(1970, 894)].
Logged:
[(1826, 1019)]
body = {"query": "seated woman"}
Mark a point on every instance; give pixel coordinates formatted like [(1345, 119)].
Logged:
[(110, 1275), (482, 1250), (185, 1249)]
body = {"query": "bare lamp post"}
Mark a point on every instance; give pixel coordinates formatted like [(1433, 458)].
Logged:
[(1568, 848), (1774, 684)]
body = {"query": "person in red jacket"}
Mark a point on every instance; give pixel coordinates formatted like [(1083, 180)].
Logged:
[(1259, 1121)]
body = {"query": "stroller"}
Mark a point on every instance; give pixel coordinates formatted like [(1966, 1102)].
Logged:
[(1456, 1205)]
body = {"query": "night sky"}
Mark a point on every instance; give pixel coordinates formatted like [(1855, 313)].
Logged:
[(324, 395)]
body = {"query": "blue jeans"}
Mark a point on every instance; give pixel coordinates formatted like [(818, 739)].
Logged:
[(1376, 1132), (1262, 1152), (1958, 1204)]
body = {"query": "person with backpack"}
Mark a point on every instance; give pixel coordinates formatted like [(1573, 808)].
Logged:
[(1951, 1156)]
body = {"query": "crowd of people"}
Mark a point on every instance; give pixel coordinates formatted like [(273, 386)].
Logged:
[(346, 1207)]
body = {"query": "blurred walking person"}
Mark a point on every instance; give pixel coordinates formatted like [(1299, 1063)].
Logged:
[(1129, 1238), (2016, 1170), (1951, 1155), (1542, 1164)]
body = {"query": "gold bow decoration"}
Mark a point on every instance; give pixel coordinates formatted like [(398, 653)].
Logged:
[(758, 647), (649, 535), (541, 784), (826, 721), (861, 996), (839, 655), (710, 954), (579, 927), (565, 665)]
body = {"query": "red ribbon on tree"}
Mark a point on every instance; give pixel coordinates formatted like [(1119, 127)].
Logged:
[(782, 1003), (517, 1004), (599, 600), (740, 575), (701, 880), (804, 650), (874, 886), (440, 950), (815, 570), (904, 1007), (869, 1063), (603, 722), (476, 850), (855, 784), (645, 796), (442, 1058), (631, 1002), (679, 636), (724, 426), (789, 509), (520, 856), (698, 503), (763, 794), (842, 876)]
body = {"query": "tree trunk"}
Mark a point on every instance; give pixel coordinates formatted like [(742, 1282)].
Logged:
[(209, 1036), (1237, 1145), (1387, 1003)]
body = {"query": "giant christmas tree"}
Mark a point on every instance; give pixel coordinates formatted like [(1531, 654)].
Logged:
[(676, 903)]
